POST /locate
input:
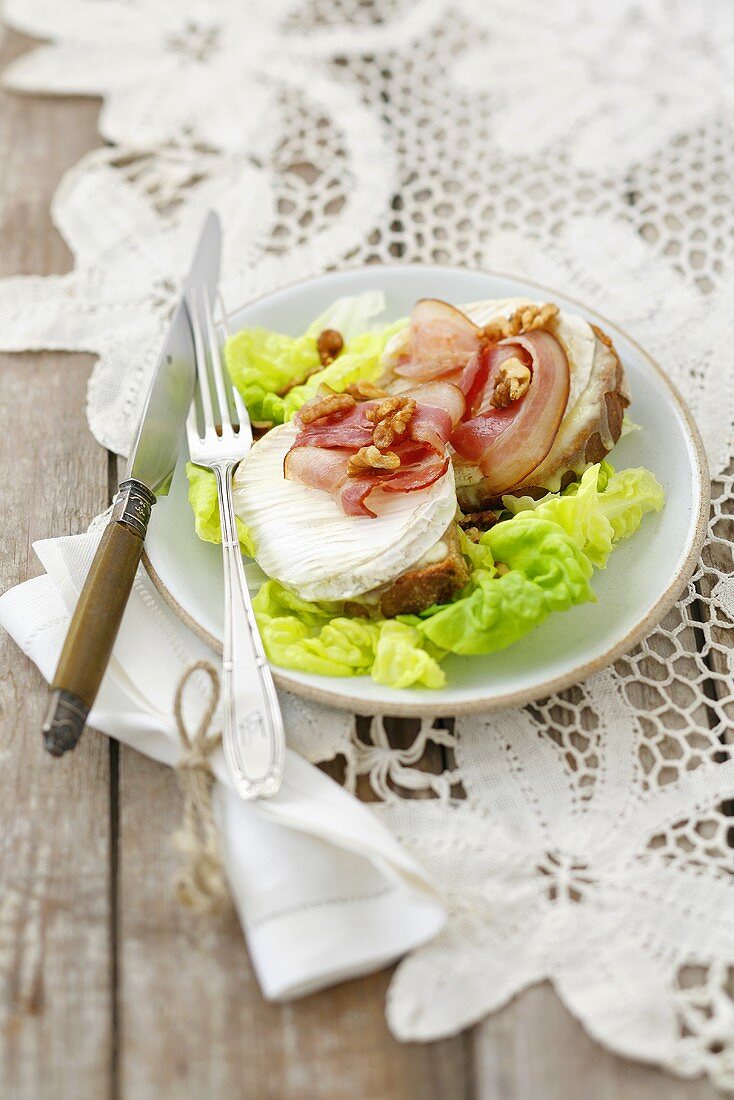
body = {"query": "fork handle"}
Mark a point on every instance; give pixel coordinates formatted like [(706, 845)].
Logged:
[(252, 729)]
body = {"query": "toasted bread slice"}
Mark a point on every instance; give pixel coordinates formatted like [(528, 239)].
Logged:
[(435, 578), (588, 431)]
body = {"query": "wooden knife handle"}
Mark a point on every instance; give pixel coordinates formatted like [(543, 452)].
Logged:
[(97, 617)]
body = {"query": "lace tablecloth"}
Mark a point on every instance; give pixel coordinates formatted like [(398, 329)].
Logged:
[(584, 839)]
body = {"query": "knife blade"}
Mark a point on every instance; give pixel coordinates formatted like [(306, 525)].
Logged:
[(154, 453), (102, 601)]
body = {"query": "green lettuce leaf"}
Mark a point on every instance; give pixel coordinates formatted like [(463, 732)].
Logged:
[(628, 496), (315, 637), (548, 571), (401, 661), (312, 637), (598, 511), (478, 554), (263, 364), (360, 359), (350, 315)]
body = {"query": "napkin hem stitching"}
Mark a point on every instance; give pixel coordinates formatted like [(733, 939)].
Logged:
[(322, 903)]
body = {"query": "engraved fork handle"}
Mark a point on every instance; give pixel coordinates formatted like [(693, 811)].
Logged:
[(252, 729)]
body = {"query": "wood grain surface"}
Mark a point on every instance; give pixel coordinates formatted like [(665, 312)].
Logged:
[(107, 988)]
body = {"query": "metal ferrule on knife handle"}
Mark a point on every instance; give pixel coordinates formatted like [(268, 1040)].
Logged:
[(97, 617)]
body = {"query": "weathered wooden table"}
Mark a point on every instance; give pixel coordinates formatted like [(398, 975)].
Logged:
[(108, 989)]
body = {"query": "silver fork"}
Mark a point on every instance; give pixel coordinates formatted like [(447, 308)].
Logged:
[(220, 436)]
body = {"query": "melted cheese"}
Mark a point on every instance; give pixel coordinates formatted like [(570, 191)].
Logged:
[(303, 539), (437, 553)]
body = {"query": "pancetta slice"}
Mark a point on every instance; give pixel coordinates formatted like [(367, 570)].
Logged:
[(321, 451), (507, 444), (442, 340)]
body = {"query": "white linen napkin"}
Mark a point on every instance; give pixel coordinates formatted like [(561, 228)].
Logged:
[(323, 890)]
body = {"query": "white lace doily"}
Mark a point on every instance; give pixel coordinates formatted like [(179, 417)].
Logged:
[(585, 839)]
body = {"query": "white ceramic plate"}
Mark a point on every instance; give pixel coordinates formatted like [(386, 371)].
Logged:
[(644, 576)]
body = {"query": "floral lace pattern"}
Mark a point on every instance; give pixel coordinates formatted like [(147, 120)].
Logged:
[(587, 838)]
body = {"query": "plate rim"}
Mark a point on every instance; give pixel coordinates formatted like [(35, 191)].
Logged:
[(433, 707)]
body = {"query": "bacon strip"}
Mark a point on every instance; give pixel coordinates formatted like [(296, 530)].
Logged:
[(316, 466), (457, 375), (408, 479), (479, 397), (473, 376), (442, 341), (351, 429), (353, 492), (445, 396), (321, 451), (508, 444)]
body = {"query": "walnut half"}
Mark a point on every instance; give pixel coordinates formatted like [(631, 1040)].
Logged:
[(524, 319), (365, 391), (391, 418), (478, 520), (513, 382), (325, 406), (328, 344), (370, 458)]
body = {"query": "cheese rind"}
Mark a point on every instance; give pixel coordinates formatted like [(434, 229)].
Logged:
[(303, 539)]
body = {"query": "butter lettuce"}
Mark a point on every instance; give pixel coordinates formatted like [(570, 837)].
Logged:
[(539, 560), (276, 374), (547, 572), (315, 637), (262, 364), (401, 659), (600, 510), (478, 554), (627, 497), (550, 547)]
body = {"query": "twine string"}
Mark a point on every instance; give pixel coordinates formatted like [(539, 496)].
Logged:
[(200, 884)]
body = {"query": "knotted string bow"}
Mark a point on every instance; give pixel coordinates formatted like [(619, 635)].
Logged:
[(200, 884)]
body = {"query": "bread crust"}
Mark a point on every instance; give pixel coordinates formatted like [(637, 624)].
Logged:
[(419, 587)]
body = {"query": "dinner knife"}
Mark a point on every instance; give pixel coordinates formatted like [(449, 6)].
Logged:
[(98, 614)]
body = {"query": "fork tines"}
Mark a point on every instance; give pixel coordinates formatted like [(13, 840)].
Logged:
[(218, 412)]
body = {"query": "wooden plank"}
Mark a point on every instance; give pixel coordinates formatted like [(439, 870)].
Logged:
[(236, 1045), (55, 1022), (535, 1048), (193, 1022)]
